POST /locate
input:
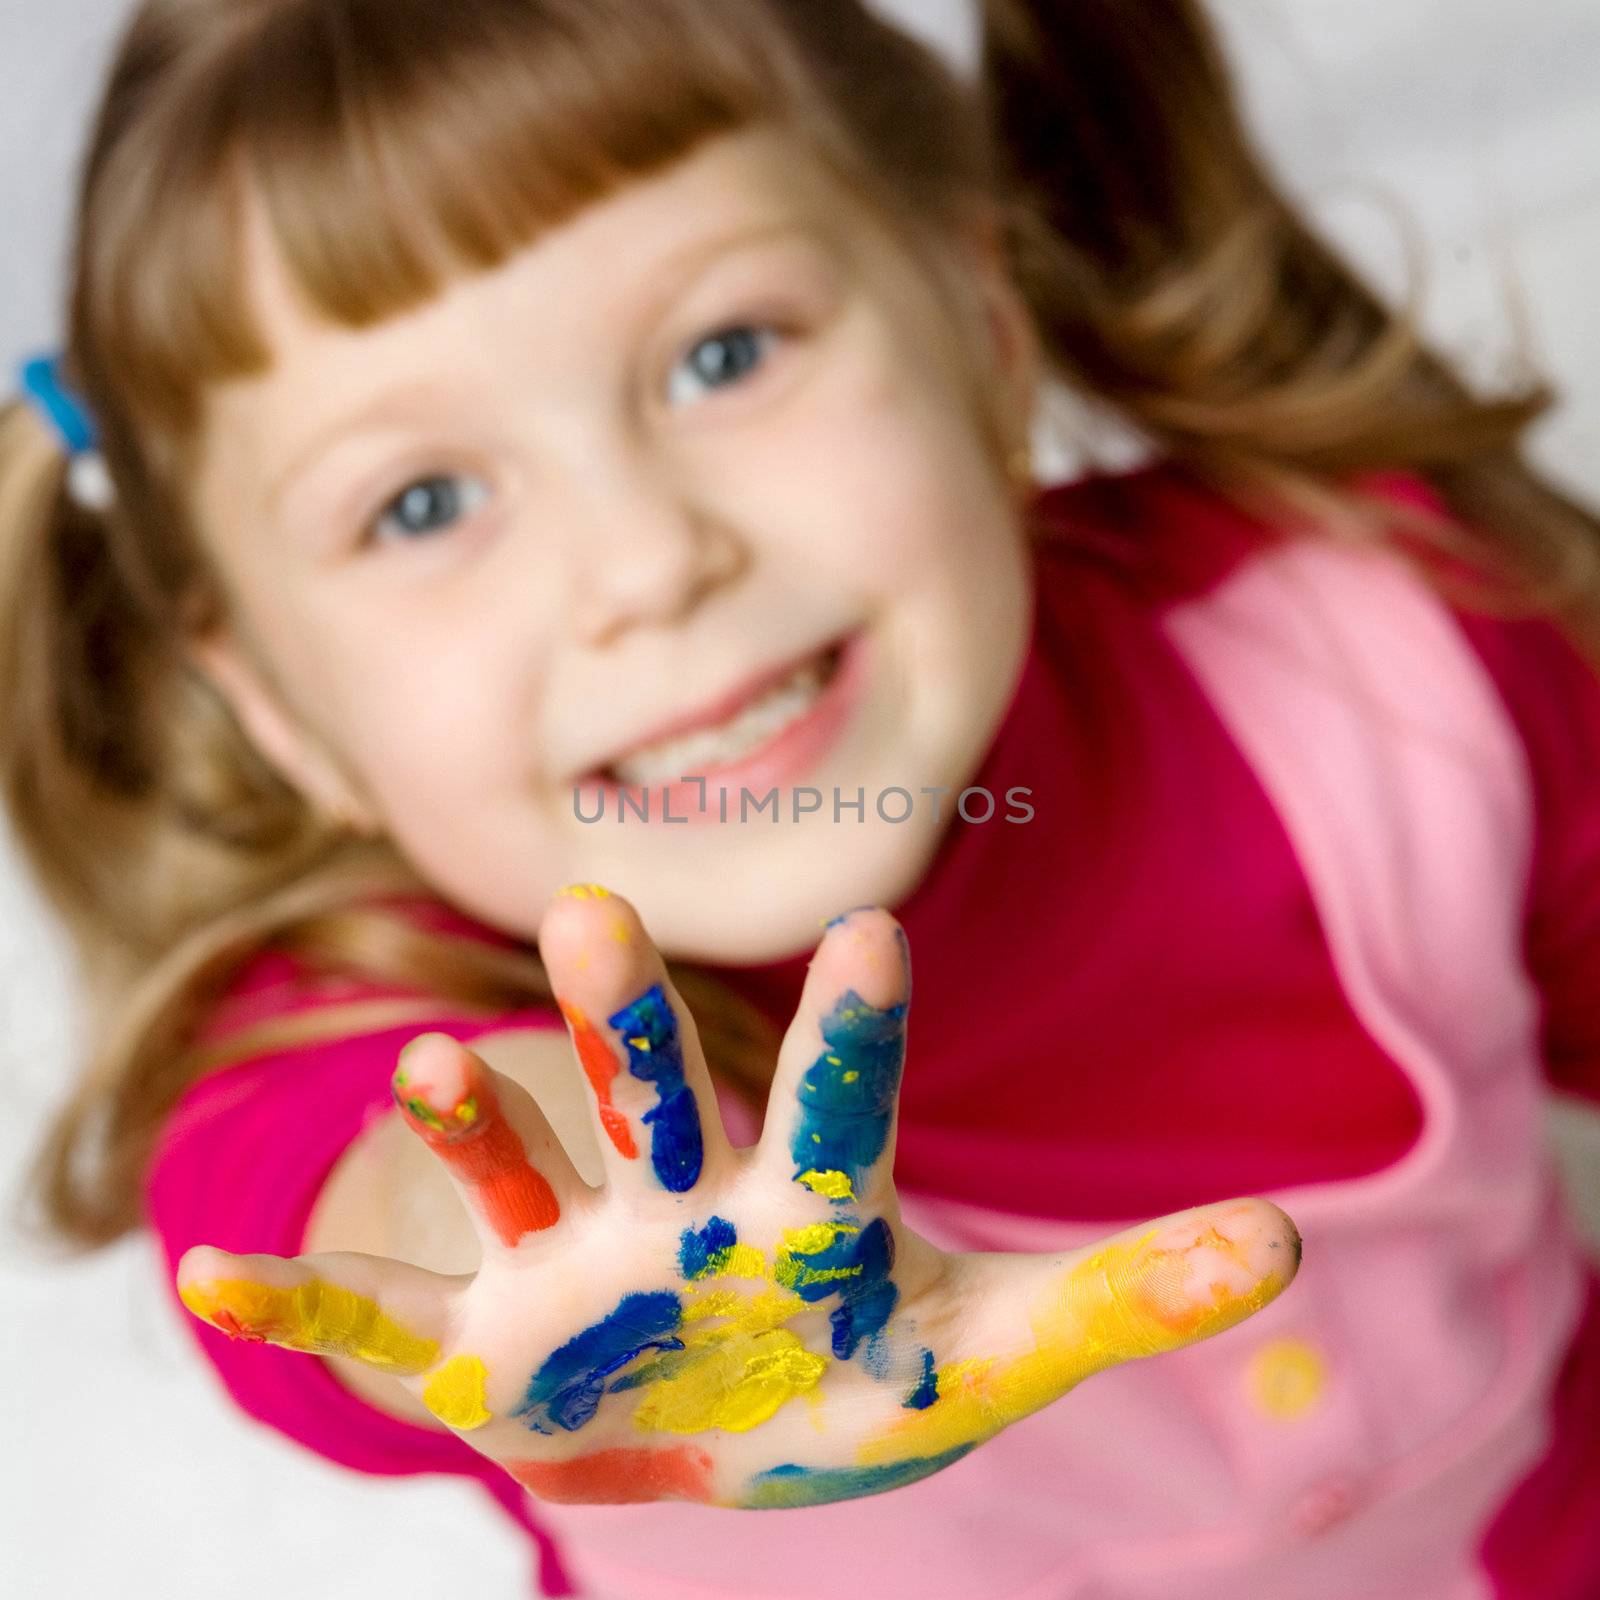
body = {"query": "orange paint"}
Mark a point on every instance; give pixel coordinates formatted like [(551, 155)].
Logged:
[(600, 1066), (618, 1477), (484, 1153), (1155, 1282), (234, 1328)]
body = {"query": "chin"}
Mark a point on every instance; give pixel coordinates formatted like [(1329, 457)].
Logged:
[(773, 914)]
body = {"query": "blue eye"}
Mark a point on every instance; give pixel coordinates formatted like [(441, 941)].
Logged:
[(723, 359), (429, 504)]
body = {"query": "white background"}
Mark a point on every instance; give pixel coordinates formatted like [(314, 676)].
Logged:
[(1472, 125)]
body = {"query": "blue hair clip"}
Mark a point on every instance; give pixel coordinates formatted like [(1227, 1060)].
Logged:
[(46, 388), (44, 384)]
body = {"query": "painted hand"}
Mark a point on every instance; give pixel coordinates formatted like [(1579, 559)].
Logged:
[(751, 1328)]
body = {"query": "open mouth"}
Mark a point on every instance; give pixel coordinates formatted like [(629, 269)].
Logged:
[(738, 737)]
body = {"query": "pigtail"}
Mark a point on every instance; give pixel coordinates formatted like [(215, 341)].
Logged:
[(61, 633), (1170, 276), (89, 692)]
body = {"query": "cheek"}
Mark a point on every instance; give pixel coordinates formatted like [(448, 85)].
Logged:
[(417, 724), (885, 481)]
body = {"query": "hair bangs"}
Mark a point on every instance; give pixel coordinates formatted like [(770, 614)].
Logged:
[(394, 144)]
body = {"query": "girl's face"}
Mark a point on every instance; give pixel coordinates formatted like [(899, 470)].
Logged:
[(492, 552)]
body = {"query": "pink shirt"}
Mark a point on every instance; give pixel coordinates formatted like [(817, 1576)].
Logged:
[(1153, 912)]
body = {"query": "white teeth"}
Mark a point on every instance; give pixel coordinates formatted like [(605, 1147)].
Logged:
[(694, 753)]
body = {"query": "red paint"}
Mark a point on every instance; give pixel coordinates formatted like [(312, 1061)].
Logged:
[(619, 1477), (600, 1066), (234, 1328), (486, 1156)]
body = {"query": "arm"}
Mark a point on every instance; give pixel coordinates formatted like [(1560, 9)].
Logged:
[(388, 1195)]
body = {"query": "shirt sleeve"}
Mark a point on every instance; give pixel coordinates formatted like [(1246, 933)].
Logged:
[(1553, 695), (239, 1165)]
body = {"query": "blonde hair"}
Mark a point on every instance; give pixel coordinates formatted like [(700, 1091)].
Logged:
[(396, 143)]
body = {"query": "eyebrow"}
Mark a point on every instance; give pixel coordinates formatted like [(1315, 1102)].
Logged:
[(401, 400)]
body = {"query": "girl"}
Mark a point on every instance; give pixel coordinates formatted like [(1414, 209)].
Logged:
[(527, 443)]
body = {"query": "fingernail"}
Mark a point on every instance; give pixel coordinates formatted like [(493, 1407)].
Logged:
[(418, 1101), (1295, 1242)]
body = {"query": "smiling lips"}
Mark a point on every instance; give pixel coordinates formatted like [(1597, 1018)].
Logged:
[(731, 728)]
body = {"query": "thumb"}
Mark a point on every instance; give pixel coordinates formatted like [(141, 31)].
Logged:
[(1043, 1323), (1170, 1283)]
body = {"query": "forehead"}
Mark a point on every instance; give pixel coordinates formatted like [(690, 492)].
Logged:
[(605, 267), (614, 250)]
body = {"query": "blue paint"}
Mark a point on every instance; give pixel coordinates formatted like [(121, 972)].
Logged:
[(566, 1390), (927, 1391), (649, 1029), (805, 1486), (647, 1371), (699, 1248), (844, 1119), (844, 916), (865, 1299)]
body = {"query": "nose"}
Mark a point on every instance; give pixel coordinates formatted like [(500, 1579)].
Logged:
[(644, 551)]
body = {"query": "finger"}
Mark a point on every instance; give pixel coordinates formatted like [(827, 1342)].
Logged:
[(388, 1314), (650, 1094), (831, 1115), (501, 1153), (1171, 1283), (1042, 1323)]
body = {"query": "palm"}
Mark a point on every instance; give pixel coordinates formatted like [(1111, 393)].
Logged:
[(743, 1327)]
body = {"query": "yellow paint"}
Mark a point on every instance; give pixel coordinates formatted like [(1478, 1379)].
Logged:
[(317, 1317), (1109, 1308), (793, 1273), (454, 1393), (815, 1237), (1286, 1378), (734, 1261), (835, 1185), (741, 1362), (817, 1410), (730, 1379), (737, 1372), (713, 1303), (750, 1313), (467, 1111), (583, 891), (849, 1077), (742, 1261)]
